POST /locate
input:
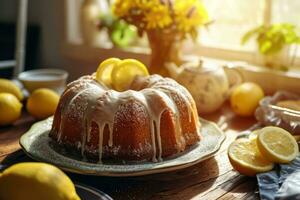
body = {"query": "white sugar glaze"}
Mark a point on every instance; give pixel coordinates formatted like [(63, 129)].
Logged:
[(98, 104)]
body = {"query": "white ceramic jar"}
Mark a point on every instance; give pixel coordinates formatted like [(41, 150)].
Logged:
[(206, 81)]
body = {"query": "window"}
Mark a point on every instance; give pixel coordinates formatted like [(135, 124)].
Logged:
[(231, 20), (286, 11)]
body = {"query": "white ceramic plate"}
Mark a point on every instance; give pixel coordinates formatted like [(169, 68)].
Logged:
[(36, 144)]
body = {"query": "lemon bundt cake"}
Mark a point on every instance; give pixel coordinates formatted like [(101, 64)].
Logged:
[(154, 119)]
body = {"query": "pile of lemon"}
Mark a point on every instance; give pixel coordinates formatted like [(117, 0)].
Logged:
[(42, 102), (262, 150)]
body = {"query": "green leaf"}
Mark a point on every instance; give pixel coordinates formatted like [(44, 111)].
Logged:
[(265, 46), (250, 34), (272, 39)]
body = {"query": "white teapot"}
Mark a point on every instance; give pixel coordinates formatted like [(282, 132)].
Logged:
[(206, 81)]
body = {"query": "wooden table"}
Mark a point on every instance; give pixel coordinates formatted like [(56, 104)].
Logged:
[(210, 179)]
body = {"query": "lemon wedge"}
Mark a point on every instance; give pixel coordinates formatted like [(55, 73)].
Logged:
[(124, 73), (277, 145), (104, 70), (245, 157)]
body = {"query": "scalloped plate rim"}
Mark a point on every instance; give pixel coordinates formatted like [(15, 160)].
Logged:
[(156, 167)]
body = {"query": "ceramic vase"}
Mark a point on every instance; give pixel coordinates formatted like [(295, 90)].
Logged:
[(165, 47)]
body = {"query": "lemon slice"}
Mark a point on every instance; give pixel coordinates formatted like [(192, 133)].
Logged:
[(245, 157), (124, 73), (277, 145), (104, 70)]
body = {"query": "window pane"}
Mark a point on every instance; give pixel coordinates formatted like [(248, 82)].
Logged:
[(287, 11), (232, 18)]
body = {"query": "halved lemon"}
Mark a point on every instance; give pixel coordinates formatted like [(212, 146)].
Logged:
[(277, 145), (124, 73), (104, 70), (254, 134), (245, 157), (297, 137)]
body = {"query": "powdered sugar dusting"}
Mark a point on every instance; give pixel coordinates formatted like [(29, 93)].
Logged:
[(93, 102)]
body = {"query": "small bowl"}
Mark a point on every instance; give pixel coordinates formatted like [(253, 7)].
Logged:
[(54, 79)]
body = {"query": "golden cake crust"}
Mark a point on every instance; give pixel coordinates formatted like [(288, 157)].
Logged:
[(155, 119)]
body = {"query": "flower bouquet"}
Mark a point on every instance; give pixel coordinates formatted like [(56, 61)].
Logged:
[(166, 22)]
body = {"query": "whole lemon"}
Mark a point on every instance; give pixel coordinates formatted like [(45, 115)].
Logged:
[(42, 103), (245, 98), (10, 108), (36, 181), (10, 87)]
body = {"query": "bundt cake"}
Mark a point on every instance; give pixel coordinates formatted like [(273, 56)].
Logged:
[(154, 119)]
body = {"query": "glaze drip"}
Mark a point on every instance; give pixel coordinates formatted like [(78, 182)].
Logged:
[(101, 104)]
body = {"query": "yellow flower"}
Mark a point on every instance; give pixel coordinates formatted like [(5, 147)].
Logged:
[(158, 17), (145, 5), (185, 15), (189, 14), (122, 8)]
